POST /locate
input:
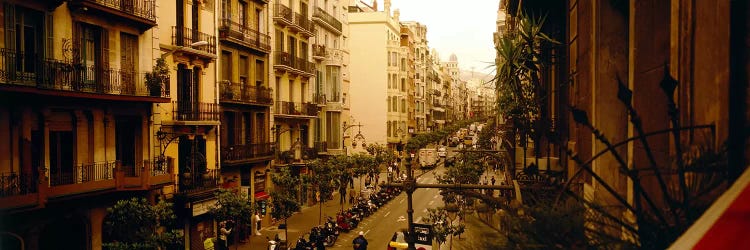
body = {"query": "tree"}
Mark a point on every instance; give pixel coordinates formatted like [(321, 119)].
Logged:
[(442, 226), (231, 206), (137, 224), (283, 198)]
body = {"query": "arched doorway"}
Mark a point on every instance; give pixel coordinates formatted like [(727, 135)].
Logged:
[(69, 232)]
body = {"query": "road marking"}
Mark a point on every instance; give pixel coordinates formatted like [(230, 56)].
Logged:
[(435, 197), (401, 201), (367, 232), (430, 203), (418, 219), (401, 218), (386, 214), (424, 211)]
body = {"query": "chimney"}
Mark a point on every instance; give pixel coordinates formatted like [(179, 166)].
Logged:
[(387, 6), (375, 5), (396, 14)]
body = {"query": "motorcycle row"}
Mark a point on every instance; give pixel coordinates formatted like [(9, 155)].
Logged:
[(345, 221)]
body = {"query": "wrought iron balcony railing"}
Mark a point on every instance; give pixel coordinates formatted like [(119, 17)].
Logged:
[(184, 36), (303, 65), (282, 59), (140, 8), (191, 182), (319, 51), (296, 108), (334, 97), (83, 173), (195, 111), (231, 91), (15, 183), (320, 146), (17, 68), (322, 15), (244, 35), (286, 61), (282, 14), (303, 24), (246, 151), (319, 98)]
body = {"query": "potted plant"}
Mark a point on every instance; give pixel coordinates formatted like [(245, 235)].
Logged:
[(157, 78)]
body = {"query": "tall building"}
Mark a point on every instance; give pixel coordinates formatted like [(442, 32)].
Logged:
[(245, 97), (434, 84), (378, 89), (75, 118), (421, 53), (187, 128), (407, 62), (294, 109), (331, 55)]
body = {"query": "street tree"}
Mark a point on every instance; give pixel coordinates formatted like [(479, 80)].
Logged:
[(442, 225), (138, 224), (232, 206), (284, 201)]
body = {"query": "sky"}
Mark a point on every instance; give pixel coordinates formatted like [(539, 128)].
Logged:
[(463, 27)]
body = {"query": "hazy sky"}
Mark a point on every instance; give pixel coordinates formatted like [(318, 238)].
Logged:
[(463, 27)]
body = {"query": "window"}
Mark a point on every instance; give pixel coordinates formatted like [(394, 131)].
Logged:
[(225, 9), (333, 83), (259, 69), (403, 105), (395, 104), (226, 65), (388, 123), (243, 70), (403, 84), (333, 133), (303, 50), (279, 40), (389, 104), (241, 13)]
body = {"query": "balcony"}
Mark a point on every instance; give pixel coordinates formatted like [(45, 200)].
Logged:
[(306, 110), (243, 94), (205, 181), (319, 99), (327, 21), (240, 154), (334, 56), (184, 37), (23, 190), (320, 147), (195, 111), (319, 52), (282, 15), (283, 61), (302, 25), (240, 34), (141, 13), (25, 73)]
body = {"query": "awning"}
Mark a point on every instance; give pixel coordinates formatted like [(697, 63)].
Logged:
[(724, 225), (261, 195)]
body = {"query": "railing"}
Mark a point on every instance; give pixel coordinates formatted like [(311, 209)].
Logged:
[(334, 97), (30, 70), (296, 108), (159, 166), (12, 184), (195, 111), (303, 65), (302, 22), (245, 34), (282, 12), (140, 8), (330, 20), (282, 58), (184, 36), (83, 173), (244, 93), (319, 98), (196, 182), (132, 170), (246, 152), (319, 50)]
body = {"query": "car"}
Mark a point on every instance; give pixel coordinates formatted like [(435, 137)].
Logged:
[(442, 152)]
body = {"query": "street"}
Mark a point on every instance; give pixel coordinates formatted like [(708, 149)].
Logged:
[(380, 226)]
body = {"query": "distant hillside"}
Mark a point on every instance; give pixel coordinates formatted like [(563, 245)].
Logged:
[(480, 74)]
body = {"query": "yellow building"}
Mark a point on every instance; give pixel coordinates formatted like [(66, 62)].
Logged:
[(293, 110), (245, 98), (421, 51), (75, 118), (378, 89), (187, 127)]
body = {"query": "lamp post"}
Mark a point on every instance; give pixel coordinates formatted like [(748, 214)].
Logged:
[(356, 137), (452, 210)]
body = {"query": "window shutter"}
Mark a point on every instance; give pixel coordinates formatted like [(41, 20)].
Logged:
[(105, 44), (50, 46), (10, 26)]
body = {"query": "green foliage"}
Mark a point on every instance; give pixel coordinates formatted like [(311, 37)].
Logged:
[(231, 206), (136, 224), (442, 226), (283, 201), (467, 169), (485, 136), (422, 140), (158, 76), (382, 155)]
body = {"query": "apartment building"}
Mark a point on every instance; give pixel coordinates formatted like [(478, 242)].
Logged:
[(378, 89), (434, 84), (75, 118), (420, 50), (331, 56), (294, 110), (407, 65), (245, 97), (451, 74)]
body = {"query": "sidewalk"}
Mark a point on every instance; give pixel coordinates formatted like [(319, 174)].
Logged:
[(301, 222)]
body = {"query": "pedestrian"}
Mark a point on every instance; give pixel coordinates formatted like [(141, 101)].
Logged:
[(351, 196), (360, 243), (224, 230), (256, 220), (493, 180)]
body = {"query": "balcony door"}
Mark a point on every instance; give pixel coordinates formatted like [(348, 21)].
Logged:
[(192, 160), (61, 148), (93, 43), (24, 31), (126, 140), (128, 62), (187, 90)]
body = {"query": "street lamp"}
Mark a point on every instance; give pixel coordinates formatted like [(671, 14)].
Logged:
[(452, 210), (356, 137)]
